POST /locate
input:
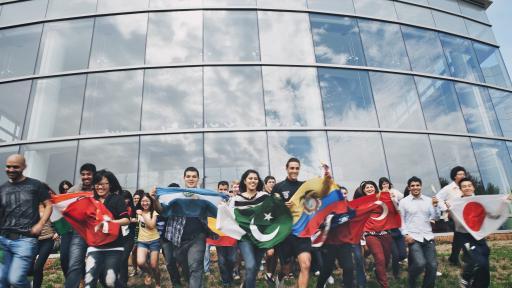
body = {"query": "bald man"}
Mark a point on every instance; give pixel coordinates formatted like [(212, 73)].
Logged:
[(20, 221)]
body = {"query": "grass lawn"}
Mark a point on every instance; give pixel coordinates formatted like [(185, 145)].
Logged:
[(501, 272)]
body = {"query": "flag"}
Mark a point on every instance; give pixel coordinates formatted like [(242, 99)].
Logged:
[(60, 203), (189, 202), (88, 216), (222, 239), (264, 220), (481, 215)]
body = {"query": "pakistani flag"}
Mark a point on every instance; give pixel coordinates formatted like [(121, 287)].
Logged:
[(263, 220)]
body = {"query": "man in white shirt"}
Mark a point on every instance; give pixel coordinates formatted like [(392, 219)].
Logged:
[(417, 212)]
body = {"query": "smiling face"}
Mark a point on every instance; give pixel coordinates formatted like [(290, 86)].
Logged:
[(467, 188), (136, 199), (86, 178), (369, 189), (191, 179), (415, 188), (145, 203), (251, 182), (102, 188), (293, 170), (14, 167)]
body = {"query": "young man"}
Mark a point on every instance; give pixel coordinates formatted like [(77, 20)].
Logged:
[(446, 194), (20, 222), (77, 246), (417, 211), (293, 246)]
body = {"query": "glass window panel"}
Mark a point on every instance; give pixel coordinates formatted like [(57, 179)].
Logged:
[(183, 31), (450, 23), (461, 58), (105, 6), (478, 110), (473, 11), (339, 6), (118, 155), (229, 155), (112, 102), (448, 5), (397, 101), (22, 12), (163, 4), (421, 2), (231, 36), (425, 51), (119, 41), (287, 4), (13, 106), (51, 162), (292, 97), (164, 158), (233, 97), (309, 147), (65, 46), (410, 155), (64, 8), (55, 107), (453, 151), (492, 65), (440, 105), (357, 156), (376, 9), (376, 35), (347, 98), (337, 40), (480, 31), (414, 14), (18, 50), (4, 153), (172, 99), (495, 165), (502, 102), (229, 3), (285, 37)]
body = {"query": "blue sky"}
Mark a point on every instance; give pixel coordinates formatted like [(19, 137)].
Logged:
[(500, 15)]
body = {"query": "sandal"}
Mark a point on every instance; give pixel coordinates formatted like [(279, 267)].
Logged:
[(147, 280)]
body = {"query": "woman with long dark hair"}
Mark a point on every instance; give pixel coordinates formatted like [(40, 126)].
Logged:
[(148, 239), (133, 223), (129, 237)]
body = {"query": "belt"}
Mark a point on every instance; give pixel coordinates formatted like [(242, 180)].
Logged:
[(15, 236)]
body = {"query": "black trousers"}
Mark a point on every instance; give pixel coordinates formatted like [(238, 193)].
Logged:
[(476, 261), (342, 253)]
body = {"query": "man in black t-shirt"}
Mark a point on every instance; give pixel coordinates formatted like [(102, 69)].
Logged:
[(20, 222), (293, 246)]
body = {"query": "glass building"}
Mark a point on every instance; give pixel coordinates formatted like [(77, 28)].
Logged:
[(146, 88)]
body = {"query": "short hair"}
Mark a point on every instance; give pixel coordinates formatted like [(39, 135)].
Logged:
[(173, 185), (114, 186), (466, 179), (456, 170), (223, 183), (191, 169), (269, 178), (414, 179), (243, 187), (383, 180), (293, 159), (88, 167)]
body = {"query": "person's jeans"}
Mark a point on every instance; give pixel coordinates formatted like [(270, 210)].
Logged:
[(422, 257), (65, 244), (398, 251), (76, 269), (457, 243), (43, 251), (17, 260), (170, 261), (207, 258), (252, 257), (476, 262), (226, 260), (380, 248), (128, 246), (103, 265), (191, 254), (359, 265), (343, 253)]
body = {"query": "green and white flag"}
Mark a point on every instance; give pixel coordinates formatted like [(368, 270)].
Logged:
[(264, 220)]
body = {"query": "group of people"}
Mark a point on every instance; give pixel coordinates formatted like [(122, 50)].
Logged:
[(27, 236)]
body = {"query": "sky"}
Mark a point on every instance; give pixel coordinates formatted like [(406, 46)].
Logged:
[(500, 14)]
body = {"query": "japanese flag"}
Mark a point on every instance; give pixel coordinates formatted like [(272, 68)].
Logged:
[(481, 215)]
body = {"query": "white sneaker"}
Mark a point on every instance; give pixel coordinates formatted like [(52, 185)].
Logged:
[(330, 280), (317, 273), (439, 273)]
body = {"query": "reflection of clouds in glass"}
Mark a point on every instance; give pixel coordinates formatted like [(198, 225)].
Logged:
[(461, 58), (118, 155), (112, 102), (175, 37), (340, 6), (347, 98), (410, 155), (173, 99), (18, 50), (356, 157), (121, 5), (492, 65), (119, 40), (229, 3), (162, 4), (383, 45), (502, 102), (309, 147), (292, 97), (440, 105), (233, 97), (287, 4), (494, 163), (397, 101), (228, 155), (376, 8), (231, 36), (14, 99), (425, 51), (66, 8), (285, 37), (164, 158)]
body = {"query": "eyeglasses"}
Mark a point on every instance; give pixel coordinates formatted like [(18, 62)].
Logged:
[(102, 184), (12, 166)]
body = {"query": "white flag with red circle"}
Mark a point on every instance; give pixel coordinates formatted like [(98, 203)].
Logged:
[(481, 215)]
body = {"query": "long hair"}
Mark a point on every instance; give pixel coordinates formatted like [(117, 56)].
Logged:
[(151, 204), (114, 186), (243, 187)]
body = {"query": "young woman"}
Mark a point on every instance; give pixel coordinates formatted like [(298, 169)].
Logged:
[(133, 222), (129, 237), (104, 261), (148, 240), (270, 255), (64, 186)]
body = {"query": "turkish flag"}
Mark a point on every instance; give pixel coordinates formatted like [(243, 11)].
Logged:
[(384, 215)]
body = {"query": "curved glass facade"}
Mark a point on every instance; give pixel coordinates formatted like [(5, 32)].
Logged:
[(146, 88)]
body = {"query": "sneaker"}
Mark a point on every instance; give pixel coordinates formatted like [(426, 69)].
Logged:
[(317, 273), (439, 274), (269, 279), (463, 283), (330, 280), (236, 276)]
